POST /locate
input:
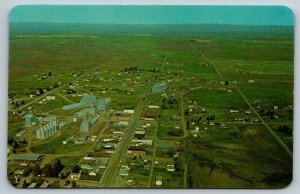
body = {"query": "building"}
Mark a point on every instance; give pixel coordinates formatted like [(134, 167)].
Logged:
[(102, 162), (136, 153), (170, 168), (85, 125), (30, 119), (48, 127), (129, 111), (143, 141), (140, 134), (75, 176), (123, 123), (124, 171), (90, 100), (102, 104), (109, 145), (86, 112), (159, 88), (72, 106), (86, 166), (27, 157), (158, 181)]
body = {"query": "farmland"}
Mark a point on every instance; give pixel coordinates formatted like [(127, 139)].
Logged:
[(225, 119)]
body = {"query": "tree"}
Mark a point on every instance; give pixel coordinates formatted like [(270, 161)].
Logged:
[(17, 104), (41, 91), (50, 74), (25, 184), (226, 82), (48, 170), (68, 182), (285, 129), (27, 171), (73, 184), (36, 170), (186, 112), (76, 169), (58, 166), (179, 163)]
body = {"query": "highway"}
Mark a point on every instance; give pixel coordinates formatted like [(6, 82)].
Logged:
[(112, 169)]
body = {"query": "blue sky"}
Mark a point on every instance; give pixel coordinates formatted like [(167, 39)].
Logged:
[(236, 15)]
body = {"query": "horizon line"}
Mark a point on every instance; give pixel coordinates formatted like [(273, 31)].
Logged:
[(282, 25)]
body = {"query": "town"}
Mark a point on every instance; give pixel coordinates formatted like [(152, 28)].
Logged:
[(169, 111)]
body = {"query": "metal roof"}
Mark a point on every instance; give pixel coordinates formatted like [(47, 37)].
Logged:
[(28, 157)]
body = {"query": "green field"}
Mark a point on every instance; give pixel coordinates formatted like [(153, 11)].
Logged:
[(195, 66)]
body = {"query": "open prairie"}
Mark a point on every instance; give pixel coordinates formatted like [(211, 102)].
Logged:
[(225, 119)]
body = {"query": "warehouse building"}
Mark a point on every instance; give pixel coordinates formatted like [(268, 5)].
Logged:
[(27, 157), (30, 119), (87, 123), (159, 88), (97, 105)]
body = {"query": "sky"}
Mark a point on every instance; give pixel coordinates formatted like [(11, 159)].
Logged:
[(232, 15)]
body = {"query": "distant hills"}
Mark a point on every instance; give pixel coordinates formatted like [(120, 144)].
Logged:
[(98, 29)]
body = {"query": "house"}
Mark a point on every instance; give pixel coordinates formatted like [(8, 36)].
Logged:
[(153, 106), (170, 168), (86, 166), (75, 176), (129, 111), (94, 170), (102, 162), (136, 153), (140, 134), (165, 147), (143, 141), (124, 171), (92, 173), (123, 123), (136, 148), (158, 181), (109, 145), (20, 134)]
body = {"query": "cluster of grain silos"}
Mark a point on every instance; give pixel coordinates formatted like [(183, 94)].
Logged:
[(47, 129)]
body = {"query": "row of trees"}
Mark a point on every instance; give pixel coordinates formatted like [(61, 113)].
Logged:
[(198, 119), (48, 170)]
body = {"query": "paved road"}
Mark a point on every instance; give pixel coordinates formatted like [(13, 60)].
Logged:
[(153, 156), (115, 161), (112, 169)]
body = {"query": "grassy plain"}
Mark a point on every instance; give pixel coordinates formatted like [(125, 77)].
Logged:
[(244, 155)]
